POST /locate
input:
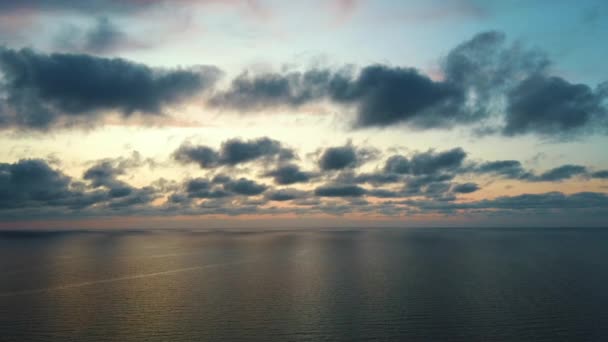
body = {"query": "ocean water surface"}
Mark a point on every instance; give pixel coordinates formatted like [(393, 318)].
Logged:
[(422, 284)]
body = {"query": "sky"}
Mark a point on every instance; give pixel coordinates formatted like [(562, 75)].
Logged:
[(276, 114)]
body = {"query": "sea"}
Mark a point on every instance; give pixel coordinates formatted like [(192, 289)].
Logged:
[(368, 284)]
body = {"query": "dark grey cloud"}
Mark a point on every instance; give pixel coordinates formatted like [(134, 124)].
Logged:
[(344, 157), (439, 191), (486, 64), (233, 152), (540, 104), (30, 186), (507, 168), (465, 188), (243, 186), (431, 162), (385, 193), (425, 163), (417, 185), (561, 173), (550, 200), (43, 90), (337, 158), (128, 196), (397, 164), (204, 156), (104, 175), (32, 181), (254, 92), (603, 174), (179, 199), (282, 195), (378, 178), (388, 95), (525, 202), (289, 174), (202, 188), (221, 179), (512, 169), (553, 106), (220, 187), (382, 95), (105, 172), (338, 190)]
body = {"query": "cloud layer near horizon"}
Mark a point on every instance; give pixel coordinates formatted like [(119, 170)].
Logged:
[(420, 183)]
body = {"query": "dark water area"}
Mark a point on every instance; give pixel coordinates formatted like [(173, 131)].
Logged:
[(356, 285)]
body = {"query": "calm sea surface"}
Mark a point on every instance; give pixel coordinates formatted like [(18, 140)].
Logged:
[(357, 285)]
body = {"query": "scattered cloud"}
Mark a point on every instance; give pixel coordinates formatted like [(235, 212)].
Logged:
[(419, 183), (233, 152)]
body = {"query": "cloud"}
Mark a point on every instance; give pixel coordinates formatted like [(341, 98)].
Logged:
[(390, 95), (104, 175), (524, 202), (508, 168), (552, 106), (289, 174), (236, 151), (337, 190), (512, 169), (201, 188), (31, 185), (260, 91), (220, 187), (343, 157), (431, 162), (465, 188), (422, 168), (603, 174), (561, 173), (102, 37), (426, 163), (243, 186), (378, 178), (494, 72), (337, 158), (233, 152), (283, 195), (383, 95), (397, 164), (384, 193), (419, 183), (31, 181), (104, 172), (204, 156), (488, 84), (485, 63), (43, 90)]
